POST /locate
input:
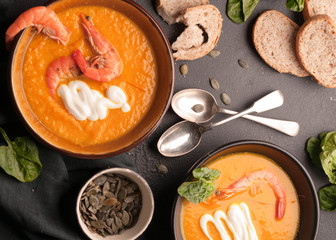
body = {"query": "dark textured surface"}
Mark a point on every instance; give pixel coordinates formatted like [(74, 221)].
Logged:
[(306, 102)]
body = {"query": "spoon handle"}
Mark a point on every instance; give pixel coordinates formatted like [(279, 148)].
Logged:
[(272, 100), (288, 127)]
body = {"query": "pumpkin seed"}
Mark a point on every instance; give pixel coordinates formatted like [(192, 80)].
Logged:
[(93, 201), (118, 222), (225, 99), (214, 53), (100, 180), (243, 64), (110, 202), (214, 83), (184, 69), (125, 218), (197, 108), (162, 168)]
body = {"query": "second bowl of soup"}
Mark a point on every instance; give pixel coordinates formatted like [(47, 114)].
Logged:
[(261, 192)]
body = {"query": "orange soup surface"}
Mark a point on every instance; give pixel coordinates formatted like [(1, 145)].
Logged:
[(138, 79), (259, 198)]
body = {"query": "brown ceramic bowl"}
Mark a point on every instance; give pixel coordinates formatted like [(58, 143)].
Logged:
[(148, 123), (309, 205)]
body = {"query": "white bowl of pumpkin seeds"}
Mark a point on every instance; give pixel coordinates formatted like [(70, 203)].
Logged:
[(115, 204)]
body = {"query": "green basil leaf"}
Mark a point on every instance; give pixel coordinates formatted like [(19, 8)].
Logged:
[(20, 158), (234, 10), (295, 5), (197, 191), (206, 173), (327, 197), (314, 150), (248, 7)]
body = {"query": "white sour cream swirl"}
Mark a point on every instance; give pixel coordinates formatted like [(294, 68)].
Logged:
[(238, 220), (84, 103)]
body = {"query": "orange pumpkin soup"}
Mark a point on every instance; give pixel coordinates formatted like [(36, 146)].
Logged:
[(138, 79), (259, 197)]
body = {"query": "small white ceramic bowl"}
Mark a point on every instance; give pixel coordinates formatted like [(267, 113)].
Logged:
[(144, 217)]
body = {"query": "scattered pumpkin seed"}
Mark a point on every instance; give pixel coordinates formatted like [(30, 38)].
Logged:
[(197, 108), (225, 98), (214, 53), (184, 69), (162, 168), (243, 63), (214, 83)]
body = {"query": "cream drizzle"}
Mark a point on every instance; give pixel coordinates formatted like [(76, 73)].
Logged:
[(238, 220), (84, 103)]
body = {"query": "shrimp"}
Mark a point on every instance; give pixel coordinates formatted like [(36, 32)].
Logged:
[(44, 19), (63, 67), (248, 180), (103, 67)]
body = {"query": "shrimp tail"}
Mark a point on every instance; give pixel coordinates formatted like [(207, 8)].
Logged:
[(280, 208)]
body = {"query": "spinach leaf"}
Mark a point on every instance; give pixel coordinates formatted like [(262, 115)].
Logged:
[(20, 158), (314, 150), (295, 5), (328, 161), (322, 135), (328, 155), (206, 173), (328, 143), (327, 197), (248, 7), (234, 11), (202, 188), (197, 191)]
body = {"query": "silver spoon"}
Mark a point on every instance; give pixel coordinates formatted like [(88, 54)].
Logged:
[(196, 105), (185, 136)]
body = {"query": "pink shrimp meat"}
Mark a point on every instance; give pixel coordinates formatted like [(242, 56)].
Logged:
[(58, 70), (104, 67), (44, 19), (248, 180)]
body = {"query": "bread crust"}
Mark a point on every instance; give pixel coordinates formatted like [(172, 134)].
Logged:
[(319, 7), (169, 10), (211, 22), (300, 43), (271, 60), (305, 11)]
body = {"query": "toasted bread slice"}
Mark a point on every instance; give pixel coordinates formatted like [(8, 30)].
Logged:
[(274, 37), (205, 19), (316, 49), (318, 7), (169, 10)]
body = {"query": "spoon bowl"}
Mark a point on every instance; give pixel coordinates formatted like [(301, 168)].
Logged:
[(180, 139), (195, 105)]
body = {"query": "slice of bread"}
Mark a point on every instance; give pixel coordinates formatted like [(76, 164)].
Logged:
[(316, 49), (317, 7), (274, 37), (169, 10), (206, 19)]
